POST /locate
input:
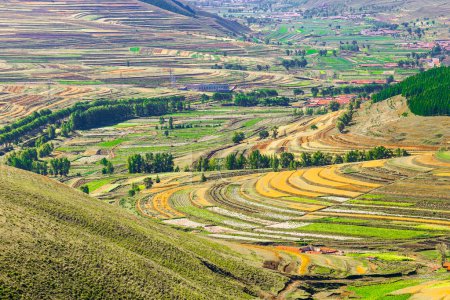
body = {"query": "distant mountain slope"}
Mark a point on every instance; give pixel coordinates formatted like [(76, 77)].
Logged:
[(172, 15), (57, 243), (179, 7)]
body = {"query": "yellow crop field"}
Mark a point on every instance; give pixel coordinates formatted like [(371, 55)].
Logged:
[(263, 187), (296, 180), (331, 174), (281, 202), (161, 204), (374, 164), (281, 182), (313, 176)]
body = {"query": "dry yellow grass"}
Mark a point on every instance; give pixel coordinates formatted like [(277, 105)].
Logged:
[(263, 187), (331, 174), (281, 182), (161, 204), (393, 218), (296, 180)]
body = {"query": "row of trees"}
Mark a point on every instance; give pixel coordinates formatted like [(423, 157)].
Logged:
[(230, 66), (150, 163), (264, 97), (346, 118), (349, 89), (285, 160), (123, 110), (427, 92), (243, 99)]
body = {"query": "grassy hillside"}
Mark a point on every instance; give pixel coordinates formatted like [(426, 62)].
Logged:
[(58, 243), (392, 122)]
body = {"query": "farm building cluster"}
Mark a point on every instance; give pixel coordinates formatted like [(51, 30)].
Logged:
[(319, 102)]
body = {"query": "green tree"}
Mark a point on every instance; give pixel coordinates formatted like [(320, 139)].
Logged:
[(286, 158), (263, 134), (203, 178), (148, 182), (340, 126), (275, 132), (238, 137), (334, 105), (51, 132), (108, 169), (298, 91), (84, 189)]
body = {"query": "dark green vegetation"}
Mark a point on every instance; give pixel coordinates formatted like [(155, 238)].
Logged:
[(150, 163), (427, 92), (59, 243), (28, 160)]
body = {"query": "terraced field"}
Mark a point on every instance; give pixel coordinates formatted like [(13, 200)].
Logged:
[(347, 204)]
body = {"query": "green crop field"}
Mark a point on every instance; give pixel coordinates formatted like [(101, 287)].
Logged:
[(381, 233)]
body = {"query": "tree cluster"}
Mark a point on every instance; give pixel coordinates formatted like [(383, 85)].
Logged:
[(150, 163), (294, 63), (27, 159)]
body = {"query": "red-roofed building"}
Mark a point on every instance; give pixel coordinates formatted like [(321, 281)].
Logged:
[(341, 99)]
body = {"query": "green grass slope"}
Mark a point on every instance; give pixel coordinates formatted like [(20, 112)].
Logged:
[(59, 243)]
